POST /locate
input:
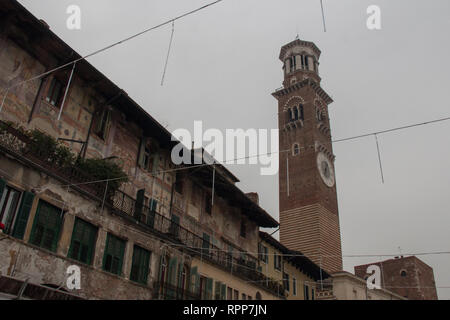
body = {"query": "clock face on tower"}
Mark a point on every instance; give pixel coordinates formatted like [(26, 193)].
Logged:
[(325, 168)]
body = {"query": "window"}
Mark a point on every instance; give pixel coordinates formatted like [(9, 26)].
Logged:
[(319, 115), (258, 296), (306, 292), (291, 64), (236, 295), (301, 111), (208, 204), (229, 293), (295, 114), (139, 265), (206, 244), (114, 252), (47, 225), (83, 241), (146, 161), (103, 124), (296, 149), (9, 200), (294, 286), (244, 296), (184, 278), (243, 229), (178, 183), (277, 261), (306, 62), (403, 273), (163, 272), (313, 294), (286, 281), (263, 253), (55, 93), (249, 298)]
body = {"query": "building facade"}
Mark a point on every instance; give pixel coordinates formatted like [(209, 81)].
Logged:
[(152, 232), (309, 218), (298, 275), (409, 277), (346, 286)]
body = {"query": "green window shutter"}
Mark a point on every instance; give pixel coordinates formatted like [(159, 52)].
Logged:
[(217, 286), (153, 205), (23, 214), (206, 243), (180, 275), (2, 187), (83, 241), (139, 266), (46, 226), (114, 252), (208, 289), (172, 271), (139, 204), (194, 280), (174, 226), (223, 291)]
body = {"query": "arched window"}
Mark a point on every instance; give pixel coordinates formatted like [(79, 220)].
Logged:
[(319, 114), (302, 115), (295, 113), (290, 115), (258, 296), (403, 273)]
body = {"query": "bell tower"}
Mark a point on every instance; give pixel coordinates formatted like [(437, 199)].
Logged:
[(309, 218)]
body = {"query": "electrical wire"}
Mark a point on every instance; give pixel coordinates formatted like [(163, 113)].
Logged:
[(114, 44)]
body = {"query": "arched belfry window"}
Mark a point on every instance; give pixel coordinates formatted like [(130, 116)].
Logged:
[(301, 111), (290, 115), (295, 113)]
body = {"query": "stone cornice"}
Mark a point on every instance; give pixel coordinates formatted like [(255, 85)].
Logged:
[(298, 85), (301, 43)]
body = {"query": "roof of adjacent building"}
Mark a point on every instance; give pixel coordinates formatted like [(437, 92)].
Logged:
[(298, 259), (39, 40)]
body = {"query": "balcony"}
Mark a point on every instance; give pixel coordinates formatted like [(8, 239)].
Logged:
[(14, 142), (166, 291)]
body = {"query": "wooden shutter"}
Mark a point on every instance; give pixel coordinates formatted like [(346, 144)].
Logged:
[(172, 271), (194, 280), (115, 248), (217, 286), (141, 155), (223, 291), (2, 187), (205, 244), (85, 234), (208, 289), (139, 204), (23, 214)]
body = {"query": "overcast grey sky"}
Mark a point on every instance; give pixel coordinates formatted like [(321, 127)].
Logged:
[(224, 66)]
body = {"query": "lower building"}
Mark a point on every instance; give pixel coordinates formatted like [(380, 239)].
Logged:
[(297, 275), (346, 286), (409, 277)]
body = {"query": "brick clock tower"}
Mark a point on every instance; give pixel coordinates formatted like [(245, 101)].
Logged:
[(309, 219)]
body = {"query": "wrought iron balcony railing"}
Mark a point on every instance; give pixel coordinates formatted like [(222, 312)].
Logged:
[(15, 142)]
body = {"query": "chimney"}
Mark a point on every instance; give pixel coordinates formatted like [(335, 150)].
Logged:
[(253, 196)]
